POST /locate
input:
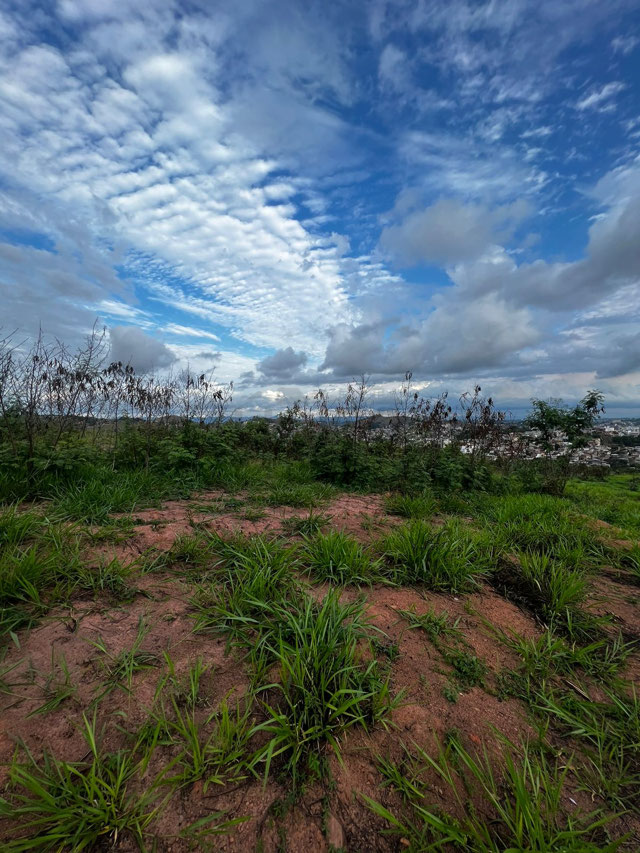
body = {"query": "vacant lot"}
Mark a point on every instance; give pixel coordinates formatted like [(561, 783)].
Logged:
[(297, 668)]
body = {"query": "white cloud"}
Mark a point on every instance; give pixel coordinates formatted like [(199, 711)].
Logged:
[(600, 96), (178, 168), (625, 44), (189, 332)]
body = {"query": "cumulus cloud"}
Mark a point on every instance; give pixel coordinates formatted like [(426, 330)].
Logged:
[(611, 262), (132, 346), (448, 231), (458, 336), (283, 364), (183, 169)]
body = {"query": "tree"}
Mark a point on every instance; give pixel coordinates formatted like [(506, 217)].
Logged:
[(549, 417)]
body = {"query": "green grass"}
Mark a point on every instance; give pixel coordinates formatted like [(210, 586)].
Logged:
[(516, 807), (215, 750), (39, 561), (552, 591), (547, 656), (252, 575), (94, 500), (108, 577), (308, 525), (444, 559), (17, 525), (59, 805), (57, 688), (339, 559), (297, 494), (411, 506), (42, 565), (120, 667), (437, 626), (186, 691), (616, 501), (608, 735), (326, 684), (559, 589), (192, 553), (630, 560)]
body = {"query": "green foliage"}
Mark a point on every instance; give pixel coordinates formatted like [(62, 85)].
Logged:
[(326, 684), (338, 558), (551, 416), (61, 805), (443, 559), (468, 670), (519, 808)]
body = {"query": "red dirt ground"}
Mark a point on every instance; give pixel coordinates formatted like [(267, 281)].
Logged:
[(327, 816)]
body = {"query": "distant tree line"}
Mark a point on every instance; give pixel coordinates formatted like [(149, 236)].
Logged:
[(65, 412)]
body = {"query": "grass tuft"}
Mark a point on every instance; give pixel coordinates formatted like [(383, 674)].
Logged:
[(338, 558), (442, 560), (76, 806)]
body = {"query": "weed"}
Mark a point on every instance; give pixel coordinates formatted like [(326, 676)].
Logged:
[(121, 667), (325, 685), (468, 670), (308, 525), (451, 693), (253, 514), (108, 578), (60, 805), (403, 777), (385, 647), (435, 625), (218, 756), (191, 551), (609, 733), (549, 655), (631, 560), (185, 691), (410, 506), (57, 688), (338, 558), (518, 809), (438, 559), (253, 575), (298, 494), (17, 525)]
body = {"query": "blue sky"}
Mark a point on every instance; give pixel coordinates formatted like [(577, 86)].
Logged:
[(297, 193)]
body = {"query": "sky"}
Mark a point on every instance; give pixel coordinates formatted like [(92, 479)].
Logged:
[(298, 193)]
